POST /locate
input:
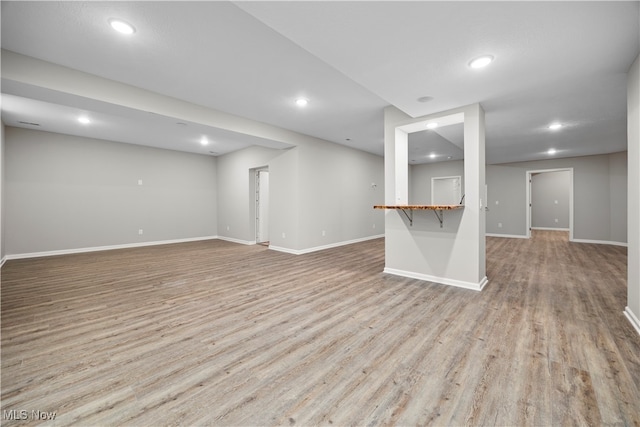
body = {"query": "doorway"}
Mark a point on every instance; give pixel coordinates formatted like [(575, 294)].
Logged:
[(550, 200), (446, 190), (262, 206)]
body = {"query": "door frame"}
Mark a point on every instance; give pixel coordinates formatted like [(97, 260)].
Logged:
[(445, 178), (257, 230), (528, 197)]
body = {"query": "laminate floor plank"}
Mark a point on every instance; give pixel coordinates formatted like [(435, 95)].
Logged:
[(215, 333)]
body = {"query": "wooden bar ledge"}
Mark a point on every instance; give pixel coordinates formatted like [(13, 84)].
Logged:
[(438, 210)]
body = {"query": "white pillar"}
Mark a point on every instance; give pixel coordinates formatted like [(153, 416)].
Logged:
[(453, 254), (632, 310)]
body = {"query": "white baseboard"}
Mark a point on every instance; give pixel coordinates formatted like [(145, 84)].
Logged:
[(105, 248), (442, 280), (321, 248), (233, 240), (2, 261), (285, 250), (506, 236), (599, 242), (550, 228), (632, 318)]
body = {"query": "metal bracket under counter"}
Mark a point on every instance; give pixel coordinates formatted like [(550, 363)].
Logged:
[(407, 210)]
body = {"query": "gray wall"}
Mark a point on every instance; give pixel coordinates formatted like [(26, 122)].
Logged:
[(618, 196), (599, 190), (320, 195), (420, 179), (550, 195), (65, 192), (336, 195), (600, 199), (70, 193), (236, 201), (284, 203), (506, 195)]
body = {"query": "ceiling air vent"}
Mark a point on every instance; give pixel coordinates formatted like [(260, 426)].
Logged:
[(29, 123)]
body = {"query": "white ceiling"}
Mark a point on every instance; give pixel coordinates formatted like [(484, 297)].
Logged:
[(554, 61)]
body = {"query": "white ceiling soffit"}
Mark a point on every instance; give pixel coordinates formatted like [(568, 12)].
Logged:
[(52, 111), (207, 53)]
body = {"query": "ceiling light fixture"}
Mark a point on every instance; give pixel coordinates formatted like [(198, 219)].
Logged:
[(301, 102), (551, 151), (204, 141), (121, 26), (432, 155), (84, 120), (555, 126), (481, 61), (432, 125)]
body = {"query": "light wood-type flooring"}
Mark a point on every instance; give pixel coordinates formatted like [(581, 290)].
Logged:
[(216, 333)]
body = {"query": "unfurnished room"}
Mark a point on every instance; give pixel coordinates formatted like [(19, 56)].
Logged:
[(314, 213)]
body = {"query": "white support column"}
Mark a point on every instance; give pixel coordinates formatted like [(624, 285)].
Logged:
[(401, 162), (632, 310), (453, 254), (475, 184)]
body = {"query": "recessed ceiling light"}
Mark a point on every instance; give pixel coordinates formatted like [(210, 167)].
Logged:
[(204, 141), (425, 99), (301, 102), (552, 151), (481, 61), (121, 26), (84, 120), (555, 126), (432, 156), (432, 125)]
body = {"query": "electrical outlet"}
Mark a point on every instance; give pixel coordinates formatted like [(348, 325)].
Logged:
[(228, 228), (499, 225), (140, 231), (556, 220), (374, 225), (139, 182), (324, 233), (284, 236)]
